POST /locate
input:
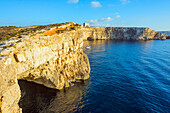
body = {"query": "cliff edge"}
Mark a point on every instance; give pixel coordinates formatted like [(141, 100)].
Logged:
[(54, 61), (121, 33), (54, 58)]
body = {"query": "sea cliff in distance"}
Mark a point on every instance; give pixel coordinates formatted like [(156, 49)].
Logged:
[(52, 55), (166, 33), (92, 33)]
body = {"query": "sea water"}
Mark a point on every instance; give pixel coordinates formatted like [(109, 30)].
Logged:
[(126, 77)]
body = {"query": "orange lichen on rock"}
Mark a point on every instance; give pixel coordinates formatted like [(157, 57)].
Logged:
[(53, 31)]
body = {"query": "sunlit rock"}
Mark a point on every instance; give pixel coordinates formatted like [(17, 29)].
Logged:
[(55, 60)]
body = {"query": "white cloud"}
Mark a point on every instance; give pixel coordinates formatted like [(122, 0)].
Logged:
[(108, 19), (125, 1), (98, 22), (95, 4), (73, 1), (117, 16), (93, 22)]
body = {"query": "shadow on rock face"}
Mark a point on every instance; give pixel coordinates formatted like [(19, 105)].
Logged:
[(34, 97), (90, 38), (168, 37), (39, 99)]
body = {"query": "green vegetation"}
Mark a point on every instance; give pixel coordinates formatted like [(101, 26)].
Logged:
[(32, 35), (75, 26), (14, 46), (6, 32), (8, 27), (60, 31), (7, 37)]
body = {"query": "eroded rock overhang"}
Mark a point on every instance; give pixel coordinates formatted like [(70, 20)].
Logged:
[(55, 61)]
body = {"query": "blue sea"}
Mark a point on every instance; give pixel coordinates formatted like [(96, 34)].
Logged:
[(126, 77)]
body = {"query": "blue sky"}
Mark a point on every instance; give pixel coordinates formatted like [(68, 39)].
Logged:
[(117, 13)]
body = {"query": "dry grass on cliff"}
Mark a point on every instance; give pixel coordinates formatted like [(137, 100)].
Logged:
[(60, 30), (6, 32), (53, 31)]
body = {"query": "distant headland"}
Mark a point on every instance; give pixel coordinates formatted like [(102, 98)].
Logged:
[(52, 55)]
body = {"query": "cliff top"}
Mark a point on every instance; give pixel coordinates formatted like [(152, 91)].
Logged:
[(10, 36), (8, 32)]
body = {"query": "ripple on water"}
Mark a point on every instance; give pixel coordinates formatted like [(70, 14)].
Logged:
[(126, 77)]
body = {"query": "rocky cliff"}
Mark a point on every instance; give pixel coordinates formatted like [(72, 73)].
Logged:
[(121, 33), (53, 61)]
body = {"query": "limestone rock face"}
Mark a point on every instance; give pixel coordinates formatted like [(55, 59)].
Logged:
[(121, 33), (53, 61), (60, 71), (9, 88)]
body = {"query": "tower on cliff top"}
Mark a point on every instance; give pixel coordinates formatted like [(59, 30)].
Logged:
[(86, 25)]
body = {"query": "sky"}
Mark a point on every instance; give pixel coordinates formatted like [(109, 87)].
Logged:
[(154, 14)]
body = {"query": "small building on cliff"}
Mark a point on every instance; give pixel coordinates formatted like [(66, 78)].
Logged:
[(86, 25)]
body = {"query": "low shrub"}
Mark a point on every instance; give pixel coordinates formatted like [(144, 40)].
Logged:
[(59, 31), (7, 37)]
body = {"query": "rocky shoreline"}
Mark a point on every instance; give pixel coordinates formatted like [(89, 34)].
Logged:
[(55, 60), (122, 33)]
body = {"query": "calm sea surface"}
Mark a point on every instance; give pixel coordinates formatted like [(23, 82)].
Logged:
[(126, 77)]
